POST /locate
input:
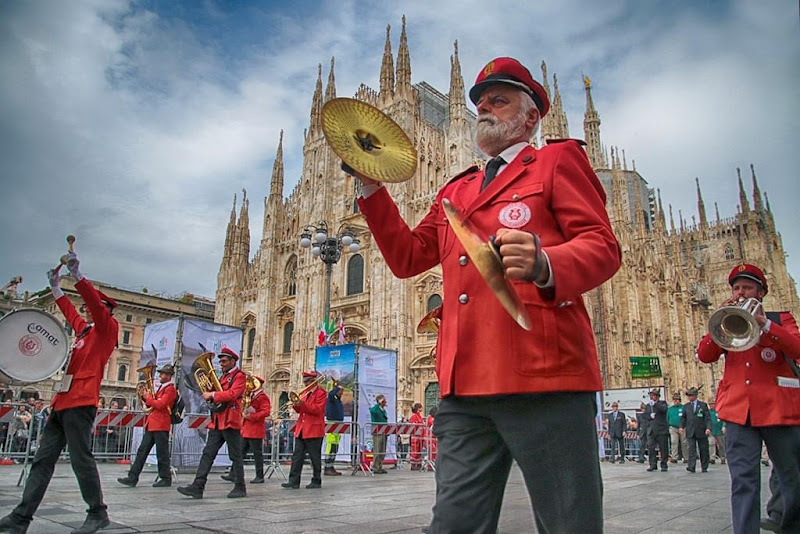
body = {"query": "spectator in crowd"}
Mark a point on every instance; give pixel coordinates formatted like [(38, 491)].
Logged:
[(716, 441), (19, 429), (657, 430), (40, 416), (696, 425), (377, 415), (334, 411), (617, 424), (677, 440), (641, 432), (415, 457)]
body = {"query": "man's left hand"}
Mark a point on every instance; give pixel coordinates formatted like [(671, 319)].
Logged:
[(521, 255), (208, 396)]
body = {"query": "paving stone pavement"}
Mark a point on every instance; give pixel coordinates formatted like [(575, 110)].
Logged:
[(635, 501)]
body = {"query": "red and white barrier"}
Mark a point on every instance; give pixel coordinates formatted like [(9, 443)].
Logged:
[(330, 428), (196, 421), (119, 418), (393, 429)]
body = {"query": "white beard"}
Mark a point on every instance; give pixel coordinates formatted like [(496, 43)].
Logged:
[(493, 135)]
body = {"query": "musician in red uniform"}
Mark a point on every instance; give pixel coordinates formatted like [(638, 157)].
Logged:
[(308, 433), (546, 209), (759, 400), (225, 427), (156, 431), (415, 457), (74, 407), (254, 430)]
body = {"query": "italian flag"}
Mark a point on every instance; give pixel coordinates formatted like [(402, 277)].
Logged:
[(326, 329)]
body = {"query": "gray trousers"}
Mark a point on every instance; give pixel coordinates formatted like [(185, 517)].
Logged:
[(553, 439)]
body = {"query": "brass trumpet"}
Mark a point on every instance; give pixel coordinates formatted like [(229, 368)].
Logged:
[(146, 386), (734, 328), (205, 376), (294, 398)]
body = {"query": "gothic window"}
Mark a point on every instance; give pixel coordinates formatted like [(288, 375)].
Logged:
[(291, 277), (728, 251), (288, 330), (434, 301), (122, 373), (251, 340), (355, 275)]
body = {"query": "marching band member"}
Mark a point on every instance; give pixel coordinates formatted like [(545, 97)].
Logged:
[(224, 428), (254, 431), (74, 407), (416, 441), (759, 400), (156, 431), (308, 432)]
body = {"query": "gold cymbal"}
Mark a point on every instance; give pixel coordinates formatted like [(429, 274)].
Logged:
[(430, 323), (368, 140), (488, 262)]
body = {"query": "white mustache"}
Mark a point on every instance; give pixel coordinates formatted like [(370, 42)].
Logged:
[(488, 117)]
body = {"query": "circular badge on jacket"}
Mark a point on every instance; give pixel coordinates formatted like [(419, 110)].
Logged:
[(768, 355), (515, 215)]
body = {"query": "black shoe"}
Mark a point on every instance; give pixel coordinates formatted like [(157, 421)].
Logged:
[(238, 492), (128, 481), (613, 461), (313, 485), (257, 480), (652, 468), (639, 461), (690, 470), (705, 470), (163, 483), (622, 461), (92, 525), (663, 469), (767, 523), (191, 491), (289, 485), (380, 472), (12, 524), (228, 477)]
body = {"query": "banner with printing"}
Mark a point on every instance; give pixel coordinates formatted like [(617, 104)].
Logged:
[(377, 374), (339, 363)]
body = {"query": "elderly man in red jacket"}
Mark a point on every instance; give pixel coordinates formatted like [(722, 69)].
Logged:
[(74, 406), (759, 400), (506, 391), (156, 431), (225, 427), (308, 433)]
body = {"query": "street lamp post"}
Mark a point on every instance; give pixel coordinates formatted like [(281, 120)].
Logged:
[(328, 249)]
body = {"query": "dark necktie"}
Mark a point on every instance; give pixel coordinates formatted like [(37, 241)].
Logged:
[(491, 171)]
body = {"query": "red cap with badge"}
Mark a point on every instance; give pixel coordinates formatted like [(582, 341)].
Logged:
[(751, 272), (510, 71), (228, 353)]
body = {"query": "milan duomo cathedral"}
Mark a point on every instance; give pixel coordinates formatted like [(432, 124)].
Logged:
[(673, 274)]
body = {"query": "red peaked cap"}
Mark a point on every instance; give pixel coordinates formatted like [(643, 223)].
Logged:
[(510, 71), (108, 300), (228, 352), (751, 272), (310, 374)]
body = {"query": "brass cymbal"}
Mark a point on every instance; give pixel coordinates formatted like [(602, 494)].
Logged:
[(368, 140), (488, 262), (430, 323)]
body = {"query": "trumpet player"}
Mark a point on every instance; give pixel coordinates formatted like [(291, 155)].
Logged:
[(253, 429), (308, 432), (156, 431), (225, 427), (759, 400)]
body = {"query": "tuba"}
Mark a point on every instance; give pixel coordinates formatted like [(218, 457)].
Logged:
[(734, 328), (252, 385), (146, 386), (205, 376)]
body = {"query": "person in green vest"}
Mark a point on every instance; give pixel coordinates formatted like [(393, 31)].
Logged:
[(677, 440), (717, 437), (377, 415)]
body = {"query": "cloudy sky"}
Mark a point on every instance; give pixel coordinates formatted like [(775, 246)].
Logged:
[(132, 124)]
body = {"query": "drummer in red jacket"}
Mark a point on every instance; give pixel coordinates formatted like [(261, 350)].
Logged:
[(759, 400), (308, 432), (225, 427), (74, 407), (254, 430), (156, 431)]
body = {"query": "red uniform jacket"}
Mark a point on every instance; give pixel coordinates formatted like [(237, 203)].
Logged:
[(749, 383), (90, 352), (253, 427), (233, 383), (311, 423), (159, 420), (481, 350)]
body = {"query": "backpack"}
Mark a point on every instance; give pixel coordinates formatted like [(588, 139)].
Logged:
[(178, 407)]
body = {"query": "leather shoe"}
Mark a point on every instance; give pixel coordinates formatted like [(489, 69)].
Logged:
[(289, 485), (191, 491), (769, 524), (652, 468), (13, 524), (705, 470), (163, 483), (331, 472), (128, 481), (237, 492), (663, 469), (227, 477), (92, 525), (257, 480), (690, 470), (313, 485), (380, 471)]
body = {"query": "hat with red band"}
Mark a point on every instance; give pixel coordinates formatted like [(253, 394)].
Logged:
[(228, 353), (511, 72), (310, 374), (751, 272)]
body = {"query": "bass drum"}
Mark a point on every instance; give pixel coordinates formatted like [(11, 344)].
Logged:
[(33, 346)]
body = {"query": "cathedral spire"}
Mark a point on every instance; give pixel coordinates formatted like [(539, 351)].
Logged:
[(744, 205), (458, 104), (276, 182), (387, 71), (330, 89), (661, 218), (230, 232), (316, 106), (557, 109), (637, 203), (716, 209), (403, 88), (680, 220), (757, 205), (701, 207), (671, 221), (591, 128)]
